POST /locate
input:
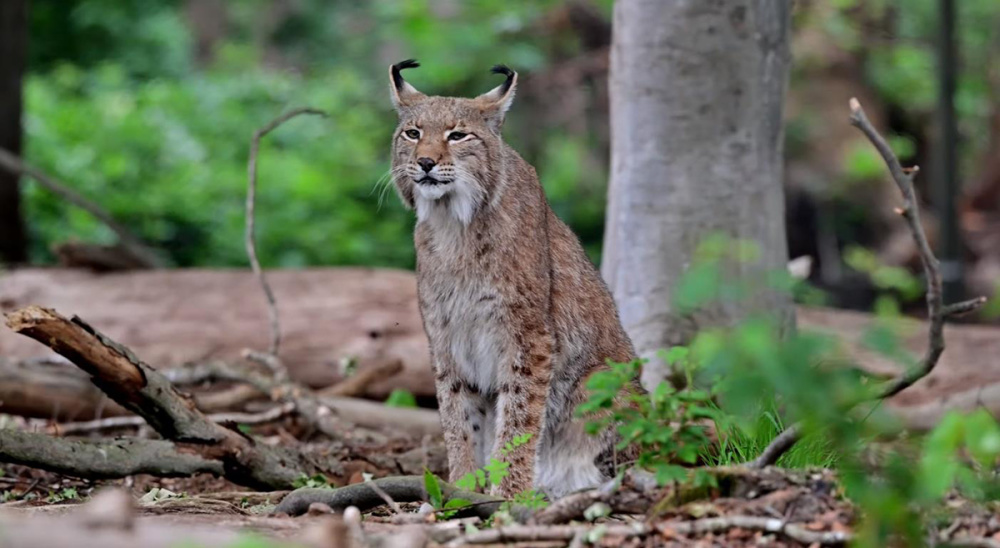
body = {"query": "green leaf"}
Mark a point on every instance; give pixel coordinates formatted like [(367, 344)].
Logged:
[(467, 482), (401, 398), (668, 473), (497, 470), (457, 503), (433, 488)]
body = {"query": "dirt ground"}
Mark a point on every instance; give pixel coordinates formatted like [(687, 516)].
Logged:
[(174, 317), (177, 316)]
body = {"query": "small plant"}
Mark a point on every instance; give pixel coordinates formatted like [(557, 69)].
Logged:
[(668, 426), (490, 475), (495, 471), (317, 481), (436, 498), (68, 493)]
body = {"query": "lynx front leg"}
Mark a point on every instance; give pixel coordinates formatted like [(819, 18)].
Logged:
[(457, 404), (520, 410)]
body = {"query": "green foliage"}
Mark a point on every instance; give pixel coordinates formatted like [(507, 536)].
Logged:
[(757, 368), (886, 278), (667, 425), (495, 470), (490, 475), (118, 108), (63, 495), (433, 488), (317, 481), (401, 398), (448, 508)]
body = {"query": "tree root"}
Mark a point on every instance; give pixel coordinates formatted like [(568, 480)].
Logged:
[(400, 489)]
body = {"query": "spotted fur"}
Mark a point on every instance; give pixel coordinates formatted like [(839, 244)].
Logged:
[(516, 314)]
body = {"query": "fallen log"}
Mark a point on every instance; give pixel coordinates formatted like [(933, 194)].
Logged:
[(139, 388), (62, 393), (52, 391), (103, 458)]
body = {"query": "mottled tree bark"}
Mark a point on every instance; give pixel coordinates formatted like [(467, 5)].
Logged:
[(13, 54), (697, 89)]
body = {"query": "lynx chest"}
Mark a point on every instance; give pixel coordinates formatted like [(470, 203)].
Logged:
[(464, 318)]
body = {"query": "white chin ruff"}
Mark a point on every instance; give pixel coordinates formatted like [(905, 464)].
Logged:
[(433, 192)]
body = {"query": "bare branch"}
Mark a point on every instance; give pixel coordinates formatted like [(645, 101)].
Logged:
[(129, 241), (358, 383), (250, 237), (668, 529), (937, 312)]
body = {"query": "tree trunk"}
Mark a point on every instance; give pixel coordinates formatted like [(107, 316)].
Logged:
[(13, 53), (697, 89)]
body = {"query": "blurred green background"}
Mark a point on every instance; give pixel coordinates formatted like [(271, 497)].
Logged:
[(147, 107)]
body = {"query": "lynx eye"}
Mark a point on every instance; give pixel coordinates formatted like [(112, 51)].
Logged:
[(413, 133), (457, 136)]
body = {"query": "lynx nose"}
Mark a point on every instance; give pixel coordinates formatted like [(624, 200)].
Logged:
[(426, 164)]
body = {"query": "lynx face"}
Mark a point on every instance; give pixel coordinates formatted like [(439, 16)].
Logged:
[(444, 148)]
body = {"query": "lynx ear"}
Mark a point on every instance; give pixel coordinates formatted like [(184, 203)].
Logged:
[(403, 94), (496, 101)]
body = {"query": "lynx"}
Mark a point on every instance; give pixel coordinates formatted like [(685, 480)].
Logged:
[(516, 314)]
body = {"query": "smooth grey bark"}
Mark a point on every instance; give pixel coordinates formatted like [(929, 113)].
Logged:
[(697, 89), (13, 55)]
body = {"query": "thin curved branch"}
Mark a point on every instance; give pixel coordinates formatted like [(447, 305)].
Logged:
[(250, 237), (937, 312)]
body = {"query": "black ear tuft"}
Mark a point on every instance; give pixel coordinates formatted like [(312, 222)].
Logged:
[(506, 71), (397, 78)]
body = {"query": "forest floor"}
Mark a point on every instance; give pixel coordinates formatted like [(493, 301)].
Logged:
[(173, 318)]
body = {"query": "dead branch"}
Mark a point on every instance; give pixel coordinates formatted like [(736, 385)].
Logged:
[(141, 253), (139, 388), (264, 417), (937, 312), (669, 529), (399, 488), (358, 383), (540, 533), (385, 496), (767, 525), (103, 459), (250, 238)]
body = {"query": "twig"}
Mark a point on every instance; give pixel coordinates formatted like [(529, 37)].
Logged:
[(263, 417), (385, 496), (270, 361), (358, 383), (250, 238), (755, 523), (536, 533), (937, 312), (539, 533), (129, 241)]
